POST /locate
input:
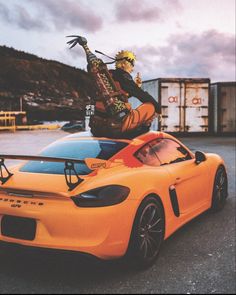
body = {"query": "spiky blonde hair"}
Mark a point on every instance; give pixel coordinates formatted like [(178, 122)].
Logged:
[(124, 55)]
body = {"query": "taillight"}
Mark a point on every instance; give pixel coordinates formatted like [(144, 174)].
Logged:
[(102, 196)]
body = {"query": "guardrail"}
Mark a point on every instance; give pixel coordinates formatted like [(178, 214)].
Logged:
[(8, 121)]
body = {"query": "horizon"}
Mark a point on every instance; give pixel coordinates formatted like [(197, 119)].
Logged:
[(147, 80)]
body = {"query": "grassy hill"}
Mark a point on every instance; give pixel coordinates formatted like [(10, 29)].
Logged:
[(48, 89)]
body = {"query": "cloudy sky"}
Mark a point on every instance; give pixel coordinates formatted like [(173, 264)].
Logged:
[(171, 38)]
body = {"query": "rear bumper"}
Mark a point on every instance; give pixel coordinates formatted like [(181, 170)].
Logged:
[(60, 224), (33, 250)]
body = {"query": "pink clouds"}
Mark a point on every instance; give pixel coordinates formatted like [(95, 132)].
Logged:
[(61, 15), (169, 37), (137, 10), (21, 17), (208, 54), (25, 20), (69, 13), (143, 10), (5, 13)]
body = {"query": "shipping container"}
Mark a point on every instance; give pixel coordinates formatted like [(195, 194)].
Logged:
[(184, 103), (223, 97)]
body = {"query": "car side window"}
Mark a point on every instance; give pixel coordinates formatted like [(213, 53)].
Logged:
[(147, 156), (169, 151)]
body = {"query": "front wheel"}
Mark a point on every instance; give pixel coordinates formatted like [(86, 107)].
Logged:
[(147, 233), (220, 190)]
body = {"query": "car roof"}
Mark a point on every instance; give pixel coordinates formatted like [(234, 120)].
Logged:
[(143, 137), (133, 144), (136, 141), (89, 136)]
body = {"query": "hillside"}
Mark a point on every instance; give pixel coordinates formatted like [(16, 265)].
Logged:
[(49, 90)]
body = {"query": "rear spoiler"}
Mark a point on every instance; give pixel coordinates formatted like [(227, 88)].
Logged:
[(91, 163)]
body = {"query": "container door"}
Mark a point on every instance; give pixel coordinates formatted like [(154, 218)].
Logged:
[(171, 107), (227, 109), (196, 107)]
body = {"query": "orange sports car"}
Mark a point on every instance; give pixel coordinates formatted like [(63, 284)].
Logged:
[(108, 197)]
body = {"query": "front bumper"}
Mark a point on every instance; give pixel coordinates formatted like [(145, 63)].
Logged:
[(102, 232)]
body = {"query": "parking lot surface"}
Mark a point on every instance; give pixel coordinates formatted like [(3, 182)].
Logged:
[(199, 258)]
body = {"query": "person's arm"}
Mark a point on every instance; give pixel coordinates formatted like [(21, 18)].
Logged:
[(131, 87)]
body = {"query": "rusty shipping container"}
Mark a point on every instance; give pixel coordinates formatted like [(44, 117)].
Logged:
[(223, 97), (184, 102)]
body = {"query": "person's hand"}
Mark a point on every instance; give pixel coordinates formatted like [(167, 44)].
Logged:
[(128, 105), (138, 80)]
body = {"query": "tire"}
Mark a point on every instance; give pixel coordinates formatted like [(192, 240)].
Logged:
[(220, 190), (147, 234)]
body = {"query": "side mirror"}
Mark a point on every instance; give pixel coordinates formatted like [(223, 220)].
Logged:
[(199, 157)]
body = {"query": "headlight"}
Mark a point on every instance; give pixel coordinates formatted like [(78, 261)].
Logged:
[(102, 196)]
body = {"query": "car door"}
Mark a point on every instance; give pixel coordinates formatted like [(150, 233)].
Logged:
[(189, 181)]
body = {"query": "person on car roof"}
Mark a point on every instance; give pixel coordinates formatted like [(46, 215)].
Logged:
[(134, 120)]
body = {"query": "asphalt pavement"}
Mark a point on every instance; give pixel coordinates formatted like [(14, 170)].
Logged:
[(197, 259)]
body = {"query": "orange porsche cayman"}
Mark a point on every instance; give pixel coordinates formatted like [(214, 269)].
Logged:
[(108, 197)]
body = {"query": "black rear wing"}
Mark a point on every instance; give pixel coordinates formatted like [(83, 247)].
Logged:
[(69, 169)]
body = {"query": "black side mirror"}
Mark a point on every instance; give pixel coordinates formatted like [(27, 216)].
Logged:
[(199, 157)]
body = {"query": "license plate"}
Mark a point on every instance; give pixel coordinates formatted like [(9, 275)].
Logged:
[(18, 227)]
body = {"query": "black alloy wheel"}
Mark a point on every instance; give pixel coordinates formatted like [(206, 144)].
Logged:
[(147, 233), (220, 190)]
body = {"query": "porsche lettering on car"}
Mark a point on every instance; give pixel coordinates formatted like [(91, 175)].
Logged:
[(109, 198)]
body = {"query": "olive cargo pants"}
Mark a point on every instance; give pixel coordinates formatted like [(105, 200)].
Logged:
[(108, 127), (141, 116)]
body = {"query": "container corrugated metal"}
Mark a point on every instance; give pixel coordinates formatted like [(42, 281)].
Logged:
[(184, 103), (223, 98)]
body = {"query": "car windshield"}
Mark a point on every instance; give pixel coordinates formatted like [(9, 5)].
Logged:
[(81, 149)]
